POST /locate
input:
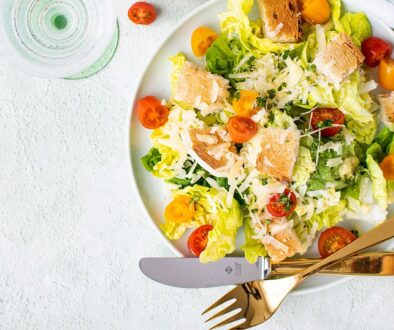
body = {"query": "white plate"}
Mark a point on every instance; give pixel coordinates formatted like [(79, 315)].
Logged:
[(149, 190)]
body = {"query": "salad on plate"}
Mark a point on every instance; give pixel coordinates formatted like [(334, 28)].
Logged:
[(279, 126)]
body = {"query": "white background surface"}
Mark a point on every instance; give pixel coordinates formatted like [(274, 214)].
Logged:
[(71, 234)]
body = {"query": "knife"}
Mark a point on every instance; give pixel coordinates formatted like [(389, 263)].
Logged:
[(190, 273)]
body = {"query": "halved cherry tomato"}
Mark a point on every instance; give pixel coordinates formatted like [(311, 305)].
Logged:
[(180, 210), (387, 166), (241, 129), (374, 50), (386, 73), (326, 117), (151, 113), (282, 205), (246, 104), (142, 13), (198, 240), (316, 11), (334, 239), (202, 39)]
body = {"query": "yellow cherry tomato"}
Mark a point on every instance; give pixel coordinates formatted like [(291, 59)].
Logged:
[(246, 104), (387, 166), (386, 73), (316, 11), (202, 39), (180, 210)]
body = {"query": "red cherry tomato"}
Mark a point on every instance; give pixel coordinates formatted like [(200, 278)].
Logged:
[(326, 117), (142, 13), (151, 113), (282, 205), (334, 239), (374, 50), (241, 129), (198, 240)]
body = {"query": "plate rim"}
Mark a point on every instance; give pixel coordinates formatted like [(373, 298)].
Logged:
[(137, 195)]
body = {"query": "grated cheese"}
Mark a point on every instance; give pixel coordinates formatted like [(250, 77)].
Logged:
[(210, 139), (333, 162), (214, 91), (275, 243)]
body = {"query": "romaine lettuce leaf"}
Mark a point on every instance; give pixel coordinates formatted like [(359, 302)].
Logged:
[(304, 166), (151, 159), (177, 63), (253, 248), (336, 14), (379, 189), (363, 132), (330, 217), (357, 26)]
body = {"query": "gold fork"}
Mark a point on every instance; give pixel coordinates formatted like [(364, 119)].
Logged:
[(259, 300)]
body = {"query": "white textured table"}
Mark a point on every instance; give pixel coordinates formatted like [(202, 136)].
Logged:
[(71, 233)]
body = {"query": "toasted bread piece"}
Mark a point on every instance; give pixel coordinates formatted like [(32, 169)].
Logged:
[(287, 237), (200, 88), (280, 20), (339, 59), (387, 107), (279, 151), (211, 147)]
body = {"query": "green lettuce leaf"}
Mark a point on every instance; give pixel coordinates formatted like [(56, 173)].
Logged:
[(336, 14), (357, 26), (151, 159), (331, 216), (363, 132), (379, 188), (253, 248), (177, 63), (304, 166)]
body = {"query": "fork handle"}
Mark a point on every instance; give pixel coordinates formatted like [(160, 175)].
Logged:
[(375, 236)]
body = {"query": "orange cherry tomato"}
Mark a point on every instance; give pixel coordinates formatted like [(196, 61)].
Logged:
[(325, 117), (180, 210), (387, 166), (202, 39), (142, 13), (282, 205), (386, 73), (246, 104), (198, 240), (334, 239), (241, 129), (151, 113), (316, 11)]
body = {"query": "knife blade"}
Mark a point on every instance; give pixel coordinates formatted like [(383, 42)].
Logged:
[(190, 273)]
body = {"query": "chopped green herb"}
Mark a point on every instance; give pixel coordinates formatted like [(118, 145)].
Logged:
[(237, 95), (261, 101), (325, 123)]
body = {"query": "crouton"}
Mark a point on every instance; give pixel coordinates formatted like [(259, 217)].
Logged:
[(387, 107), (213, 149), (279, 151), (288, 238), (339, 59), (199, 88), (280, 20)]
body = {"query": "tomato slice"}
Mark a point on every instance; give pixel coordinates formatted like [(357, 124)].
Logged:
[(151, 113), (316, 11), (386, 73), (202, 39), (198, 240), (374, 50), (333, 239), (241, 129), (246, 104), (142, 13), (180, 210), (326, 117), (282, 205), (387, 166)]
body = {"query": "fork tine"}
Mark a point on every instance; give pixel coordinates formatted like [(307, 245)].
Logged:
[(231, 319), (228, 296), (226, 310)]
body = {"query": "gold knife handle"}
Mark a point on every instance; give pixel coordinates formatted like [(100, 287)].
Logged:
[(375, 263)]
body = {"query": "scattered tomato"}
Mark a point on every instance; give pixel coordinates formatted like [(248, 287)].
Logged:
[(246, 104), (180, 210), (386, 73), (142, 13), (282, 205), (387, 166), (316, 11), (334, 239), (241, 129), (198, 240), (151, 113), (374, 50), (326, 117), (202, 39)]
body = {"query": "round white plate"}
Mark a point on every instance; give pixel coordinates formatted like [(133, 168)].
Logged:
[(150, 191)]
